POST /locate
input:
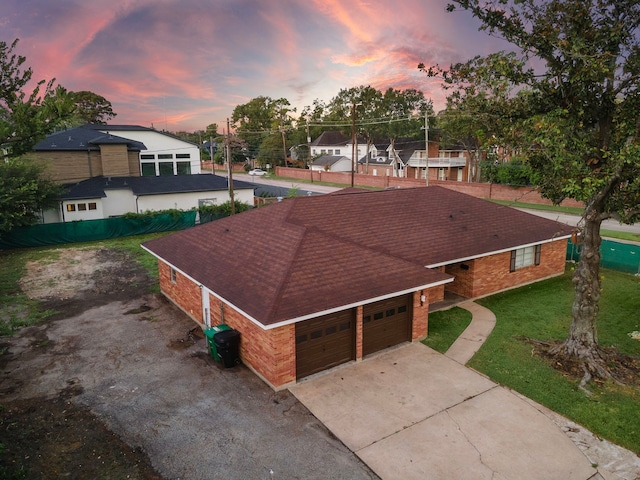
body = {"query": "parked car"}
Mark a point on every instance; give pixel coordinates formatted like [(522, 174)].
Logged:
[(257, 171)]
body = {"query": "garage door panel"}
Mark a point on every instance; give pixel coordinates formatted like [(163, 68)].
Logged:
[(325, 342), (386, 323)]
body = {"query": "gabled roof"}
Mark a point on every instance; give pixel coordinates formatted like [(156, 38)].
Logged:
[(82, 139), (95, 187), (311, 255), (325, 160), (334, 138), (136, 128)]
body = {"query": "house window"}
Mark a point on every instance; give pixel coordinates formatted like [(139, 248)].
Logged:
[(148, 169), (183, 155), (82, 207), (330, 152), (183, 168), (165, 156), (93, 206), (173, 275), (165, 168), (441, 175), (525, 257), (337, 151), (71, 207), (146, 156)]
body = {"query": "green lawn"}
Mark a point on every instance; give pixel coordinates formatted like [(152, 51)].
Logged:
[(445, 327), (543, 311)]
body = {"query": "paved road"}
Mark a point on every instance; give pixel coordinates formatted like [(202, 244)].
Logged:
[(574, 219)]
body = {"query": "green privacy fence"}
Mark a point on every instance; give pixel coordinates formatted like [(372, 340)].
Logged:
[(615, 255), (90, 230)]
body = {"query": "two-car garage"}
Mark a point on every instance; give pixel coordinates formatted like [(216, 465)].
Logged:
[(330, 340)]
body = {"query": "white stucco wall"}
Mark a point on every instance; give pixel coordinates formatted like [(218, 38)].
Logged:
[(118, 202), (159, 143), (73, 216), (187, 201)]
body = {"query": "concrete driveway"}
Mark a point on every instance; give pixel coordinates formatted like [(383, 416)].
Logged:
[(413, 413)]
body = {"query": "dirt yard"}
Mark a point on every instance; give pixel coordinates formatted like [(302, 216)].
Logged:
[(118, 383)]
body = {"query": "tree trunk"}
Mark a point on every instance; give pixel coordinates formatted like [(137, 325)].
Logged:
[(582, 342)]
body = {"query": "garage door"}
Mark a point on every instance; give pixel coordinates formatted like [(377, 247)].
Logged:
[(386, 323), (325, 342)]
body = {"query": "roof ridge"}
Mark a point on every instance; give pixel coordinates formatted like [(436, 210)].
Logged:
[(283, 280)]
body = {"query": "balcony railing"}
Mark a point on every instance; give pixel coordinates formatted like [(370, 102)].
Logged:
[(438, 162)]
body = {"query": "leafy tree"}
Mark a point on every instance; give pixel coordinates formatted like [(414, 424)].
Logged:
[(260, 118), (92, 108), (575, 119), (20, 125), (24, 192), (362, 106)]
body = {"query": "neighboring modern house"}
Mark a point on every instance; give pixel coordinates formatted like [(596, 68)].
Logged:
[(165, 154), (82, 153), (314, 282), (104, 197), (97, 150), (331, 163)]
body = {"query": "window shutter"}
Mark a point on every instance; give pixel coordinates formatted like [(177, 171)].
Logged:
[(512, 267), (538, 251)]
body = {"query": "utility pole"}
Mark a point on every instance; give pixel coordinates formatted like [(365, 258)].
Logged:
[(284, 143), (353, 141), (309, 153), (426, 136), (230, 177)]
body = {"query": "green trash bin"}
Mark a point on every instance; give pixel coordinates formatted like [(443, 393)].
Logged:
[(209, 333)]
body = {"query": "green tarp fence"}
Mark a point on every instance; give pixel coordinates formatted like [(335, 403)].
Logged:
[(90, 230), (620, 256)]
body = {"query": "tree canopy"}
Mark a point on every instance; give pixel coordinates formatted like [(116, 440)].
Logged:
[(24, 192), (566, 99)]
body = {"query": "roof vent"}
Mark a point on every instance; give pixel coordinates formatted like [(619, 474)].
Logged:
[(53, 145), (70, 139)]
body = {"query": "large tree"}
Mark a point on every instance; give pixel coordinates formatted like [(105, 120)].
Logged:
[(576, 114), (264, 120), (20, 125), (25, 192)]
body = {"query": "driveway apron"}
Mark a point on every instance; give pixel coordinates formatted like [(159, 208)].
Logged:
[(413, 413)]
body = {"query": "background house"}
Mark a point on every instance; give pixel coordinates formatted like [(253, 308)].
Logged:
[(111, 170), (334, 278), (331, 163), (164, 154), (104, 197), (97, 150)]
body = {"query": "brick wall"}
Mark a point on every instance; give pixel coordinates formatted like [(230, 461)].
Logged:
[(269, 353), (478, 190), (184, 293), (359, 332), (420, 322), (488, 275)]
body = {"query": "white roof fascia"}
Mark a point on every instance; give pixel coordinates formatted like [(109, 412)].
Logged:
[(473, 257), (355, 304)]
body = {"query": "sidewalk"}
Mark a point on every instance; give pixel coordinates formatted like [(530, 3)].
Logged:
[(613, 461)]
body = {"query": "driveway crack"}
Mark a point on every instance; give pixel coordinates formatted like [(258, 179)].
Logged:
[(466, 437)]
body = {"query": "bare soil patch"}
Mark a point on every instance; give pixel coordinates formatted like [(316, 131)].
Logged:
[(623, 368), (50, 436)]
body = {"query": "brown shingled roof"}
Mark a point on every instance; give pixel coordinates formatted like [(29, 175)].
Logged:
[(309, 255)]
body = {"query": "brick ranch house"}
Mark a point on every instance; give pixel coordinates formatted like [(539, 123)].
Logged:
[(314, 282)]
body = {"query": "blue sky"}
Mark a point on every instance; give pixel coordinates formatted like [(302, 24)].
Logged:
[(181, 65)]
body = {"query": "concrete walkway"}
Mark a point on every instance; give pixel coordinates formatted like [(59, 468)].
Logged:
[(470, 341), (413, 413)]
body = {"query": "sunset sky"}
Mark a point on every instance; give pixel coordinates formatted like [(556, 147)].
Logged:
[(182, 65)]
